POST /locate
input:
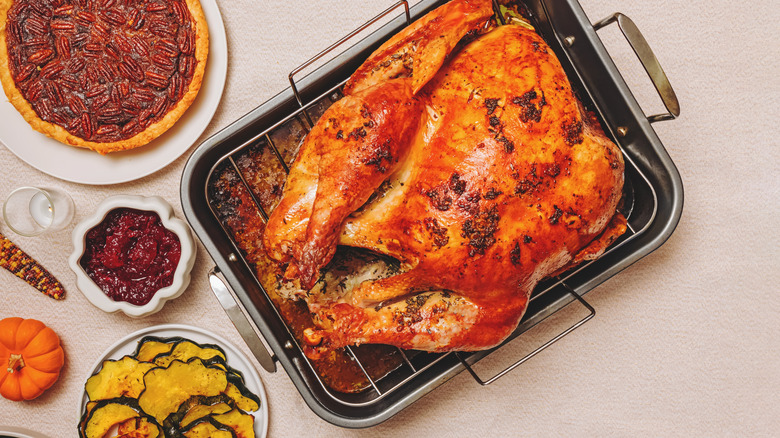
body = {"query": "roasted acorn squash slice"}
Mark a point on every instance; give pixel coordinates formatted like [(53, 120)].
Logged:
[(208, 428), (118, 378), (83, 420), (151, 346), (139, 427), (105, 414), (244, 398), (167, 388), (175, 421), (200, 411), (243, 424), (185, 350), (133, 434)]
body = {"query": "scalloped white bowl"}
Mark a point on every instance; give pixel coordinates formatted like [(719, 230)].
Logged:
[(181, 277)]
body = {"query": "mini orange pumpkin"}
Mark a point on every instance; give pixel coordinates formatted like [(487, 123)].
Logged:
[(30, 358)]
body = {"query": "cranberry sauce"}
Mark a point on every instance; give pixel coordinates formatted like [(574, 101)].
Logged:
[(131, 255)]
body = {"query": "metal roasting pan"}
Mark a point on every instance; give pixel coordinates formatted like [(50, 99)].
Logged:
[(653, 204)]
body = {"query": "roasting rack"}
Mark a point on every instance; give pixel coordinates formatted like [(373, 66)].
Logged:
[(652, 204)]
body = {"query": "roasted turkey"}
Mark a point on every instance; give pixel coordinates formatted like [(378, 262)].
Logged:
[(460, 150)]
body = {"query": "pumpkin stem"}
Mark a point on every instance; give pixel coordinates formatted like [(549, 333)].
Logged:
[(15, 363)]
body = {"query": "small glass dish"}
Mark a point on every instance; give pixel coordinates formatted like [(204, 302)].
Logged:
[(181, 275), (32, 211)]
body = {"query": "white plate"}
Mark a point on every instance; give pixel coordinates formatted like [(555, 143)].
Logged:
[(19, 432), (235, 359), (87, 167)]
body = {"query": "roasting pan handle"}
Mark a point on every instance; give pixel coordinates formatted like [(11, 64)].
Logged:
[(251, 336), (338, 43), (591, 314), (649, 62)]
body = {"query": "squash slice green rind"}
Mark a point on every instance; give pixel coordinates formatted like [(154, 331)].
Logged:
[(218, 362), (118, 378), (167, 388), (238, 374), (83, 420)]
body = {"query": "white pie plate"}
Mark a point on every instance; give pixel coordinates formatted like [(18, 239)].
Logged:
[(235, 359), (87, 167)]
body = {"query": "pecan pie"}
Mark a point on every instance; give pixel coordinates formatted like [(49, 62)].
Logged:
[(108, 75)]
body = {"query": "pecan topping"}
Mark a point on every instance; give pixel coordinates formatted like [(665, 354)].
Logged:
[(103, 70)]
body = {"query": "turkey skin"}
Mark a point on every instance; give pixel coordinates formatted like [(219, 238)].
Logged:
[(461, 152)]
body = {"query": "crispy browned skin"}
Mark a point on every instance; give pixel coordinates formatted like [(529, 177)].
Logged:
[(505, 182), (361, 139)]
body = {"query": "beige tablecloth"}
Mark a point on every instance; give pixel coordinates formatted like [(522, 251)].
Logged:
[(685, 341)]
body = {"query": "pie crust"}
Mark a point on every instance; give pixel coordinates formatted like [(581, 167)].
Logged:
[(156, 124)]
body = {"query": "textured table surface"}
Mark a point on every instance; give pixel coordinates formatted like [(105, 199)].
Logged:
[(684, 342)]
